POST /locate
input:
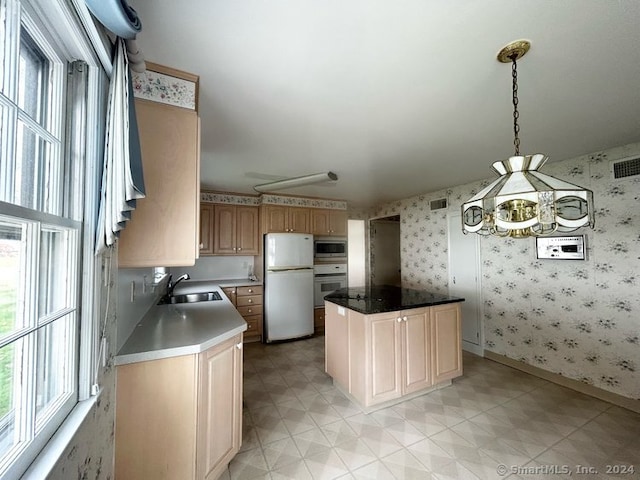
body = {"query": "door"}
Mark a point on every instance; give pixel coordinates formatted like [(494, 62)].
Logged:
[(288, 304), (288, 250), (224, 229), (446, 354), (385, 251), (247, 235), (385, 345), (219, 408), (417, 354), (206, 229), (464, 281)]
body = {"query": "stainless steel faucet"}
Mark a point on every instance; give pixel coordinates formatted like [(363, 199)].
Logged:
[(172, 285)]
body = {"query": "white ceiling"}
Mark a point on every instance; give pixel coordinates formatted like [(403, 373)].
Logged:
[(396, 98)]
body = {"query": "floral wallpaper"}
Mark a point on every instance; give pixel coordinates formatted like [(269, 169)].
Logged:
[(579, 319), (303, 202), (231, 198), (164, 89), (90, 453), (264, 199)]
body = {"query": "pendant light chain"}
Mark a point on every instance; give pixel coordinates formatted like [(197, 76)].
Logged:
[(516, 114)]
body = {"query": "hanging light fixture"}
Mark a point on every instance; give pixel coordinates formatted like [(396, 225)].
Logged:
[(524, 202)]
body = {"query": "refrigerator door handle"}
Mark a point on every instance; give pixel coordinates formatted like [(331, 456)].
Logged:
[(287, 269)]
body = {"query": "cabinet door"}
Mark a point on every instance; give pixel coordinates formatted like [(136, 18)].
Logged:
[(336, 343), (416, 351), (206, 229), (385, 359), (320, 222), (247, 234), (338, 222), (231, 294), (446, 342), (299, 220), (318, 321), (151, 440), (224, 229), (169, 142), (219, 427), (275, 219)]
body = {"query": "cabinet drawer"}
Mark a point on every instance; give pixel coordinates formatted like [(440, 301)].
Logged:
[(248, 300), (250, 310), (254, 325), (253, 290)]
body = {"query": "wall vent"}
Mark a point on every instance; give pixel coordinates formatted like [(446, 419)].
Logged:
[(626, 168), (439, 204)]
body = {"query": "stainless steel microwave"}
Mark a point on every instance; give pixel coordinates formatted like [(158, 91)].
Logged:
[(330, 247)]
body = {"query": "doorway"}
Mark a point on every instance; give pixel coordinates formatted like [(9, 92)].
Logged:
[(384, 253), (465, 282)]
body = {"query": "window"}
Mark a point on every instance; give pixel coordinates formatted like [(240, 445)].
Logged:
[(42, 249)]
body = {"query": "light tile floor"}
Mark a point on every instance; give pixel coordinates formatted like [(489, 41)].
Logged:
[(297, 425)]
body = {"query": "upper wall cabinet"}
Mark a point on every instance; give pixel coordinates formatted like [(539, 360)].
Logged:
[(235, 230), (328, 222), (278, 218), (164, 229)]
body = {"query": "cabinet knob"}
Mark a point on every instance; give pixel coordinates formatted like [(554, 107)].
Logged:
[(201, 246), (399, 319), (250, 291), (249, 310), (239, 346), (239, 248), (404, 319), (250, 301)]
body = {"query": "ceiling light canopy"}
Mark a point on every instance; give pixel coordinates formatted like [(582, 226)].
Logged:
[(296, 182), (524, 202)]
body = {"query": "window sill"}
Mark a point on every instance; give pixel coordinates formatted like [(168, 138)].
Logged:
[(47, 459)]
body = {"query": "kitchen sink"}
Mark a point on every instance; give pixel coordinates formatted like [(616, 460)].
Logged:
[(190, 298)]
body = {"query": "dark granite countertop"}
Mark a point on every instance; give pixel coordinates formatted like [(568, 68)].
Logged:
[(386, 298)]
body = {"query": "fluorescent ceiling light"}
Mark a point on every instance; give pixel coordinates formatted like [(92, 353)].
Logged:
[(296, 182)]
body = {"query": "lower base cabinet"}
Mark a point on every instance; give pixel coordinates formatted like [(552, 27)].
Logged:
[(383, 357), (318, 320), (248, 301), (180, 417)]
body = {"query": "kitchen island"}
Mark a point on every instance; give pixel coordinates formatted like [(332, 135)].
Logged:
[(385, 344)]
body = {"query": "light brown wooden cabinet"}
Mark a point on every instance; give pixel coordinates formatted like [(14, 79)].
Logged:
[(248, 300), (328, 222), (179, 417), (318, 320), (383, 357), (235, 230), (206, 229), (337, 343), (170, 142), (446, 332), (229, 229), (278, 219)]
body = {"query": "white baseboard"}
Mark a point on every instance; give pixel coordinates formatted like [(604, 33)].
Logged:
[(473, 348), (599, 393)]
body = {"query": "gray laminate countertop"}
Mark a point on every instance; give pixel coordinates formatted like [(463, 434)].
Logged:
[(182, 329)]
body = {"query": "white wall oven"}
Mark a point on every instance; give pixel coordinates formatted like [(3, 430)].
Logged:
[(327, 279)]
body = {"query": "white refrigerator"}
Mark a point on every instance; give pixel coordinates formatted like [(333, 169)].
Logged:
[(288, 286)]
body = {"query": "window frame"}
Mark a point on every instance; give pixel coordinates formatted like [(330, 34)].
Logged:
[(59, 21)]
